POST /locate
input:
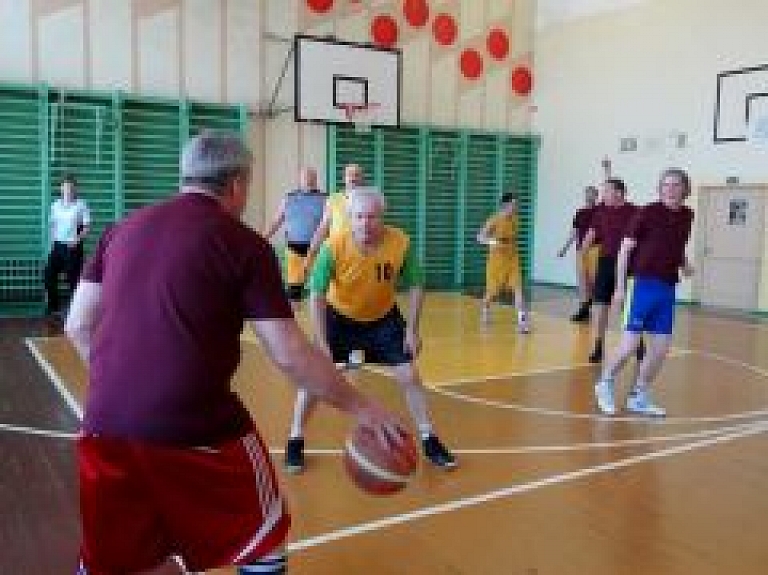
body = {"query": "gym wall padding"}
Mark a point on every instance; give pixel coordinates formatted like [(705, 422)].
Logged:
[(123, 150), (441, 185)]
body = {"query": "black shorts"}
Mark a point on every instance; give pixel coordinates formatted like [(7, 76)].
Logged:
[(605, 280), (297, 255), (381, 340)]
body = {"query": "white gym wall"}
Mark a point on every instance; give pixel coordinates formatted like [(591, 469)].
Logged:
[(647, 71)]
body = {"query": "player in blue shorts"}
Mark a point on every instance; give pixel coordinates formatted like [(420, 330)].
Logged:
[(652, 252)]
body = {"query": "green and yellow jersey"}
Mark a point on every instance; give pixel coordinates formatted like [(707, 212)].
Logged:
[(337, 206), (363, 286)]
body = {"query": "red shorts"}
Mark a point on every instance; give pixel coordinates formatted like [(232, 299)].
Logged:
[(143, 503)]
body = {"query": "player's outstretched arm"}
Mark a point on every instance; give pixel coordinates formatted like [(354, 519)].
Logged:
[(568, 243), (276, 222)]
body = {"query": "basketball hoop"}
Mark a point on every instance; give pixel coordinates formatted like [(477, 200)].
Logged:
[(361, 115)]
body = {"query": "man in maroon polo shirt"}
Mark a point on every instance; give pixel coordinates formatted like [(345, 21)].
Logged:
[(587, 261), (170, 462), (652, 252), (608, 223)]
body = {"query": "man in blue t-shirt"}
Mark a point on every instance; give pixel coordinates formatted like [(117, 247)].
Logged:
[(299, 214)]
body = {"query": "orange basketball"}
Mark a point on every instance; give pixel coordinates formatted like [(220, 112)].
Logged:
[(374, 468)]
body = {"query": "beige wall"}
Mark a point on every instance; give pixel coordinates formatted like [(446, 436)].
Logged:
[(646, 71), (207, 50), (225, 51)]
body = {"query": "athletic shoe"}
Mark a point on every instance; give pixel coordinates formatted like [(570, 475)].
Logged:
[(437, 453), (604, 396), (581, 316), (294, 455), (597, 354), (639, 402)]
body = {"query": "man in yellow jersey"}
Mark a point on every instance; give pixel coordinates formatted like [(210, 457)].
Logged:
[(502, 268), (335, 213), (353, 290)]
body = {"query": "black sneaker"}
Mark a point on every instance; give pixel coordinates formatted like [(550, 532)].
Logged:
[(294, 455), (437, 453), (597, 353), (581, 316), (640, 351)]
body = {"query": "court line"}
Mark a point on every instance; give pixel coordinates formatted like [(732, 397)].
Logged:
[(677, 420), (57, 382), (675, 352), (23, 430), (739, 432), (522, 450)]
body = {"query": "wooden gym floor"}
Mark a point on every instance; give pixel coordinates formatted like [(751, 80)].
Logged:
[(544, 487)]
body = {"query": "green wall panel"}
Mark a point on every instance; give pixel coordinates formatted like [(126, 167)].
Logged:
[(123, 150), (442, 185)]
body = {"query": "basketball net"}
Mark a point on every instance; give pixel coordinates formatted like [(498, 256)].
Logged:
[(360, 115)]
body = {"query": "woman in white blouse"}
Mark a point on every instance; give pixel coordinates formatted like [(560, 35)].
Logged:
[(70, 221)]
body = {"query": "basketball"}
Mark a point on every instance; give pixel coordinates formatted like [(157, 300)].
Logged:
[(373, 468)]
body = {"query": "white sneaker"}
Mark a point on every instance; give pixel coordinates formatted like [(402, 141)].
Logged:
[(639, 402), (604, 396)]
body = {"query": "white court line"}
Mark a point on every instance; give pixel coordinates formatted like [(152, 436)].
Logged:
[(675, 352), (523, 450), (34, 431), (439, 389), (57, 382), (740, 432), (598, 417)]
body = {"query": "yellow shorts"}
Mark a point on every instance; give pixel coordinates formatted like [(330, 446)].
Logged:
[(502, 272), (295, 267), (588, 262)]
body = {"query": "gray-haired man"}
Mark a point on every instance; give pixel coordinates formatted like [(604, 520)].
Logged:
[(170, 462)]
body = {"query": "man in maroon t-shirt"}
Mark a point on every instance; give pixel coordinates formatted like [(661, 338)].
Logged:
[(587, 261), (170, 462), (609, 221), (655, 240)]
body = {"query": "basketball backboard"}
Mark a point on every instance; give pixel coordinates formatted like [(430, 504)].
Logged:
[(331, 75)]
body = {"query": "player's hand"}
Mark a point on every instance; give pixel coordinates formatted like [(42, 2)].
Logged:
[(412, 342), (390, 431)]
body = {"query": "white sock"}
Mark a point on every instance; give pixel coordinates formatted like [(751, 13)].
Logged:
[(640, 385), (425, 430)]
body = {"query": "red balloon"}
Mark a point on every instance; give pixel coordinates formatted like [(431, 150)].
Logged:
[(320, 5), (416, 12), (498, 43), (444, 29), (522, 80), (471, 64), (384, 30)]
